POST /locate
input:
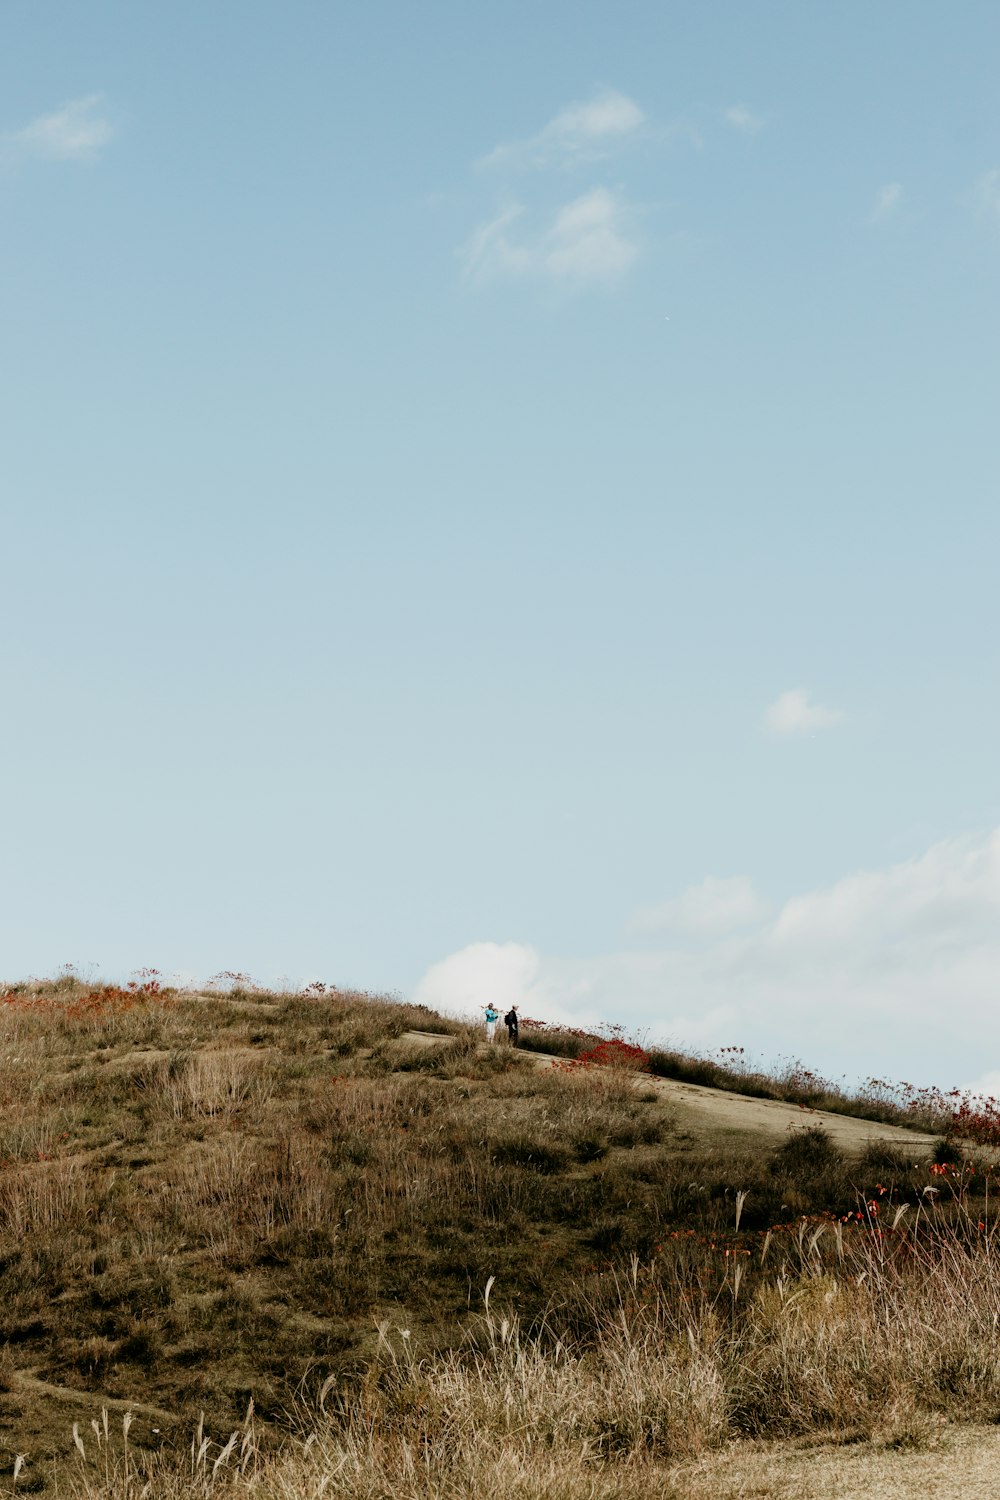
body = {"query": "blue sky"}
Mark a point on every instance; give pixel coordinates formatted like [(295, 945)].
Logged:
[(503, 501)]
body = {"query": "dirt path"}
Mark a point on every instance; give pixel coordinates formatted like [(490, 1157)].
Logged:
[(722, 1113), (28, 1383), (715, 1112), (964, 1465)]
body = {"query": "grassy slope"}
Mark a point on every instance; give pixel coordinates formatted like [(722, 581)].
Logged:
[(206, 1198)]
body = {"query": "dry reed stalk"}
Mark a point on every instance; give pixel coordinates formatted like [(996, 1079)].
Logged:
[(42, 1196), (216, 1082)]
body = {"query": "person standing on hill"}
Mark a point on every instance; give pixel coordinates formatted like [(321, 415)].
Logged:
[(510, 1021), (492, 1017)]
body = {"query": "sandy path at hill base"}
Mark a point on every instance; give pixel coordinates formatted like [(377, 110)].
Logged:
[(964, 1465), (714, 1112)]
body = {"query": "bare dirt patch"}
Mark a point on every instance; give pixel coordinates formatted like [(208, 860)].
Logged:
[(713, 1111), (965, 1464)]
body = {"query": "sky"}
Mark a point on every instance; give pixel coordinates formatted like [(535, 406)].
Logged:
[(501, 502)]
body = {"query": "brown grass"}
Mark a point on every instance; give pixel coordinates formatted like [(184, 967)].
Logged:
[(868, 1340), (208, 1199)]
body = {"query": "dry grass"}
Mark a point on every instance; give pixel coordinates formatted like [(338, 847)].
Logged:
[(216, 1082), (208, 1199), (869, 1340)]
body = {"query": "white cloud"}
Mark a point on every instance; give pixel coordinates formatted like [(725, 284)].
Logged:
[(743, 119), (947, 894), (581, 131), (588, 240), (887, 202), (893, 972), (76, 132), (506, 973), (987, 1086), (792, 713), (607, 114), (490, 251), (714, 906), (987, 198)]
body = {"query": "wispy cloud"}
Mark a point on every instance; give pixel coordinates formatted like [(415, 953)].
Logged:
[(586, 241), (78, 131), (580, 132), (987, 1085), (491, 251), (792, 713), (986, 198), (888, 200), (890, 971), (741, 118), (713, 907)]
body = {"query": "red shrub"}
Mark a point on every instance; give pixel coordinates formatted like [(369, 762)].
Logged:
[(613, 1053)]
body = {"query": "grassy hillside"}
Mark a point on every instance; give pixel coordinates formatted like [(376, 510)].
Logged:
[(208, 1200)]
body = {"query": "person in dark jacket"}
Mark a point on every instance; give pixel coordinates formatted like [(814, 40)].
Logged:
[(510, 1021)]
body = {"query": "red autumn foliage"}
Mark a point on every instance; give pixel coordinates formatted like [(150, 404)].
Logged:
[(105, 1000), (614, 1052)]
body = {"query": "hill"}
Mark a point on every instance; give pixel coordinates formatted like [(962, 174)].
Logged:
[(214, 1202)]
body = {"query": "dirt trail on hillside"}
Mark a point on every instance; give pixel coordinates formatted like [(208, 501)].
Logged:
[(715, 1112), (964, 1465), (27, 1382), (718, 1112)]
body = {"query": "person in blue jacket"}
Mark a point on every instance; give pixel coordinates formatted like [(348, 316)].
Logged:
[(492, 1017)]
